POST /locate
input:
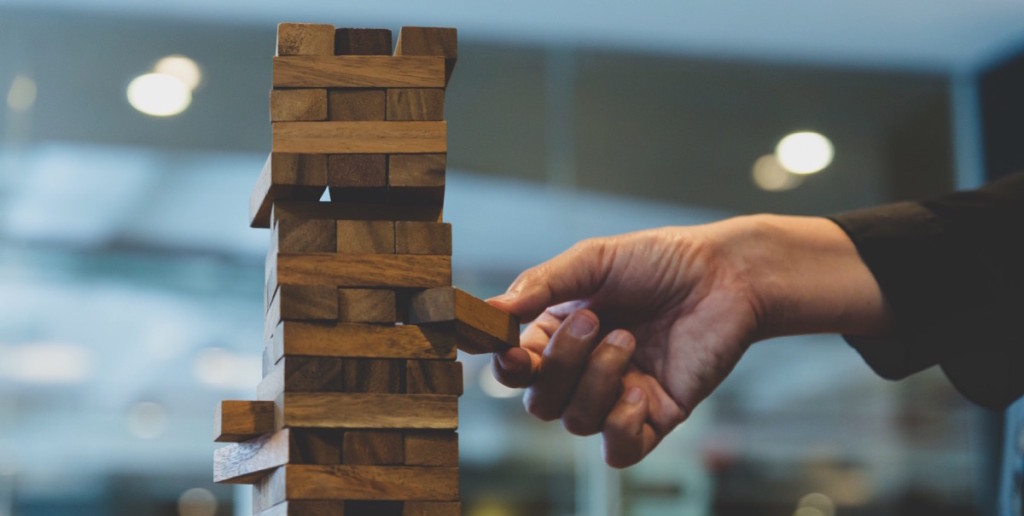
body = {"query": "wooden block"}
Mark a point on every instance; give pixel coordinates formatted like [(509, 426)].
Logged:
[(300, 303), (367, 236), (363, 104), (480, 327), (431, 448), (373, 447), (286, 176), (415, 104), (236, 421), (364, 270), (355, 411), (363, 42), (292, 235), (357, 211), (308, 508), (374, 375), (303, 374), (367, 305), (429, 41), (305, 39), (431, 509), (303, 482), (373, 508), (423, 238), (246, 462), (359, 72), (357, 170), (433, 377), (416, 178), (360, 137), (299, 104), (361, 341)]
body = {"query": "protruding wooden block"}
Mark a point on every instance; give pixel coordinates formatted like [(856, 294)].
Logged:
[(433, 377), (356, 411), (300, 177), (302, 482), (431, 448), (359, 137), (367, 305), (359, 211), (364, 270), (305, 39), (359, 72), (236, 421), (429, 41), (480, 327), (373, 447), (363, 42), (309, 508), (303, 374), (366, 237), (423, 238), (363, 104), (415, 104), (357, 170), (374, 375), (245, 462), (431, 509), (298, 105), (361, 341)]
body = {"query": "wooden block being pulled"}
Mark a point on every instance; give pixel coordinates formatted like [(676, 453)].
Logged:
[(363, 104), (303, 482), (373, 448), (245, 462), (358, 72), (433, 377), (236, 421), (305, 39), (431, 238), (429, 41), (421, 104), (431, 448), (431, 509), (480, 327), (374, 375), (363, 42), (354, 411), (367, 236), (367, 305), (311, 508), (364, 270), (359, 211), (360, 137), (361, 341), (298, 105), (286, 176), (303, 374)]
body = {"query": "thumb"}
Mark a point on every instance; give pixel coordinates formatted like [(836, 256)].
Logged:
[(575, 274)]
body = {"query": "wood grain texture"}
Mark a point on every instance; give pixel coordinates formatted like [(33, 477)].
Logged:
[(300, 303), (358, 211), (303, 374), (357, 170), (367, 305), (360, 137), (354, 71), (416, 178), (302, 482), (366, 236), (364, 270), (429, 41), (373, 447), (409, 104), (298, 105), (286, 176), (361, 341), (480, 327), (309, 508), (293, 235), (359, 104), (305, 39), (431, 509), (431, 448), (236, 421), (433, 377), (431, 238), (374, 375), (246, 462), (363, 42), (368, 411)]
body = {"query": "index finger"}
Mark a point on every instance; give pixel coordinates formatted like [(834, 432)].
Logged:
[(517, 367)]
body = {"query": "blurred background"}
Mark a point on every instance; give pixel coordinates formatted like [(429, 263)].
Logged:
[(130, 283)]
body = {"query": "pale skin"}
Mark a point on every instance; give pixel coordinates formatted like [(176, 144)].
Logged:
[(629, 333)]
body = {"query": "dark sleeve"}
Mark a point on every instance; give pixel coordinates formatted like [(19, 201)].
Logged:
[(952, 270)]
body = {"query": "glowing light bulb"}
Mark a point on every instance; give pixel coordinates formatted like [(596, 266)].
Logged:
[(22, 95), (159, 94), (181, 67), (769, 175), (804, 152)]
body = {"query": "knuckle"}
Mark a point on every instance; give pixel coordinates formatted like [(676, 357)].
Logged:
[(537, 409), (577, 423)]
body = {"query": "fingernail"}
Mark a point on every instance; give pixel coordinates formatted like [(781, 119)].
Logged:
[(619, 338), (581, 325), (633, 395)]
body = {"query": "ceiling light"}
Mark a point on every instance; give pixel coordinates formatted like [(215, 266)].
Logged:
[(197, 502), (181, 67), (22, 95), (159, 94), (219, 367), (769, 175), (47, 363), (804, 152)]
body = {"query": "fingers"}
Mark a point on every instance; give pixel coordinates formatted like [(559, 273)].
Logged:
[(517, 367), (577, 273), (601, 384), (627, 436), (561, 366)]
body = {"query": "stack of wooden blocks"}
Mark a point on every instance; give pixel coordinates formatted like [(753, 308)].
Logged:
[(358, 408)]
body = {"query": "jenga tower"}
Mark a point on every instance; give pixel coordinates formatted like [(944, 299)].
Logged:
[(358, 408)]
